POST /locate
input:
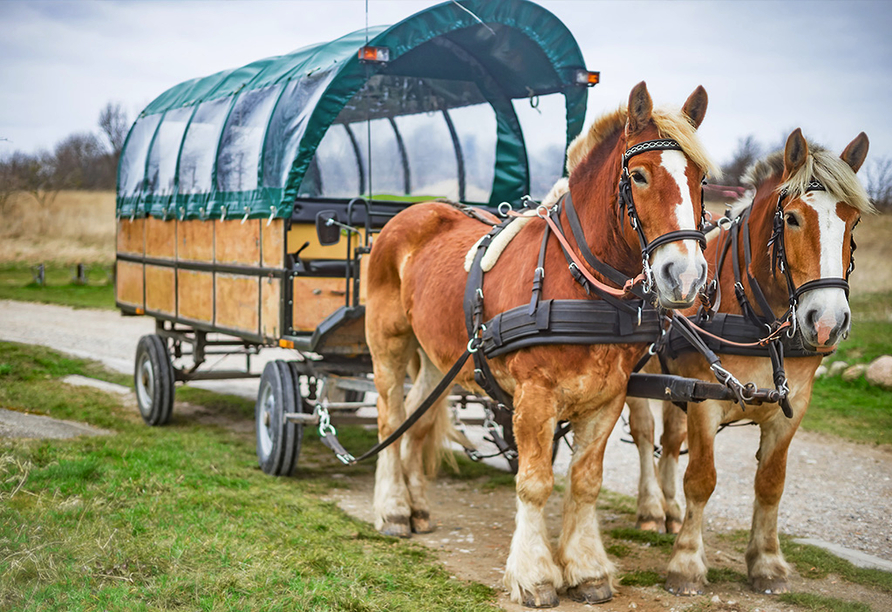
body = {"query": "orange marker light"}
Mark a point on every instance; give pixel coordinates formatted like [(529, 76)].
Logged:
[(286, 343), (374, 54), (585, 77)]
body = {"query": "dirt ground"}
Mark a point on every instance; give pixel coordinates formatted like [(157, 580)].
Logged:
[(474, 527)]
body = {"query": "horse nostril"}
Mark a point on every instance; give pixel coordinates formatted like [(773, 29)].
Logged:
[(811, 317), (846, 318)]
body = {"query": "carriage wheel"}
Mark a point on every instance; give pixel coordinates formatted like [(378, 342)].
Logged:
[(278, 440), (154, 380)]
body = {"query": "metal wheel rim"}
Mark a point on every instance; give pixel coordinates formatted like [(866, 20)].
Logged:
[(265, 420), (145, 384)]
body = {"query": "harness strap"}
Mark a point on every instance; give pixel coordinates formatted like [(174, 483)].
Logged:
[(413, 418)]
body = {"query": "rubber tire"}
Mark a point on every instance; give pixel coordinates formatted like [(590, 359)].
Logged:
[(154, 380), (278, 441)]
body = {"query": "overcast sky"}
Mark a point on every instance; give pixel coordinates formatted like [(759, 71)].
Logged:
[(768, 66)]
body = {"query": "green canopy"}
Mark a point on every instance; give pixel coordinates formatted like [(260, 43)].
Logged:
[(245, 141)]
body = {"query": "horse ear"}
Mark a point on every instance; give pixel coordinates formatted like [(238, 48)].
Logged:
[(795, 153), (640, 108), (695, 106), (855, 154)]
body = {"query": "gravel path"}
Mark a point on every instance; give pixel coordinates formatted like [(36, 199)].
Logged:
[(836, 491)]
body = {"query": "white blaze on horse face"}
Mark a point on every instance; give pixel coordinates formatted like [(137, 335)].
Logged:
[(679, 273), (823, 310)]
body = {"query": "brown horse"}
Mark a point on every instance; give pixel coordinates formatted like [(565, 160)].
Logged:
[(816, 221), (415, 289)]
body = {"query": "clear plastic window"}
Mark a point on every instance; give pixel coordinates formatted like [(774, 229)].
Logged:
[(334, 172), (238, 161), (476, 129), (387, 171), (200, 146), (133, 159), (165, 149), (288, 124), (431, 154), (545, 133)]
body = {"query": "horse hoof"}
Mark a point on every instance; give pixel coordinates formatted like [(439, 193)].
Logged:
[(678, 585), (770, 586), (648, 525), (396, 526), (591, 592), (673, 526), (421, 522), (542, 596)]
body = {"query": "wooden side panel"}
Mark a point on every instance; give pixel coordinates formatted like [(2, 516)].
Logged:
[(161, 238), (306, 232), (128, 283), (273, 237), (161, 290), (315, 299), (131, 236), (195, 240), (195, 295), (270, 301), (236, 300), (237, 243)]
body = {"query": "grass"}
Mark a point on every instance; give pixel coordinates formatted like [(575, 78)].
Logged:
[(650, 538), (820, 603), (857, 410), (814, 562), (181, 519), (16, 283), (641, 578)]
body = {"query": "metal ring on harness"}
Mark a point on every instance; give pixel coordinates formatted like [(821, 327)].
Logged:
[(539, 210), (505, 208)]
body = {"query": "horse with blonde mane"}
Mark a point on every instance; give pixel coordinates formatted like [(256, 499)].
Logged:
[(789, 262), (414, 311)]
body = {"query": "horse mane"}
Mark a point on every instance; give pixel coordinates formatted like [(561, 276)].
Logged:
[(670, 122), (821, 165)]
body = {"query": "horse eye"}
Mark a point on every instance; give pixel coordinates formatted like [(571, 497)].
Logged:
[(791, 220), (639, 178)]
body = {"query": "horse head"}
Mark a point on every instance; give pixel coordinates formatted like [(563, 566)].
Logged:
[(650, 162), (820, 200)]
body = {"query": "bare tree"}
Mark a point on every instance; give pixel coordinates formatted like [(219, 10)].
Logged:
[(748, 150), (114, 125), (878, 177)]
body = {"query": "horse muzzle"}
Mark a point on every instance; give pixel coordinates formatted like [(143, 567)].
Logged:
[(678, 279)]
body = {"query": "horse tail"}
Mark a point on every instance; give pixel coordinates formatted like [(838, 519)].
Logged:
[(441, 430)]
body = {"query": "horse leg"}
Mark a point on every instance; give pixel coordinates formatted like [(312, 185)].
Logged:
[(687, 565), (651, 515), (531, 575), (766, 567), (421, 445), (675, 430), (391, 352), (587, 570)]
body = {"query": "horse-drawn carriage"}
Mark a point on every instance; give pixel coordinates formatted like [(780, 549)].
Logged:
[(251, 203)]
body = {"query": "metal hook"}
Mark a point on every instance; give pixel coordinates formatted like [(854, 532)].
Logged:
[(247, 212), (272, 215)]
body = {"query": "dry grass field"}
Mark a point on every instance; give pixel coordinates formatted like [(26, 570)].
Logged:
[(72, 227), (79, 227)]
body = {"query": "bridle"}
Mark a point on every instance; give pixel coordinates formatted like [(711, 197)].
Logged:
[(779, 255), (626, 202), (738, 229)]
